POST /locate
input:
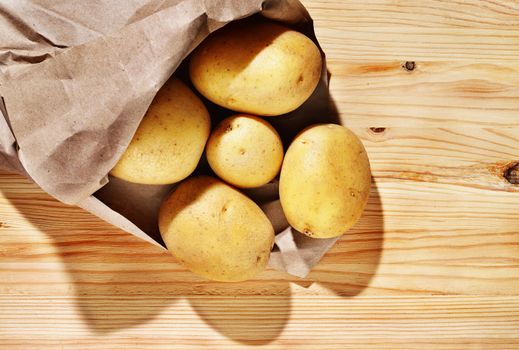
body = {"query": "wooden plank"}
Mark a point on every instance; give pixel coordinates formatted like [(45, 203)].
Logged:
[(422, 30), (434, 94), (441, 322)]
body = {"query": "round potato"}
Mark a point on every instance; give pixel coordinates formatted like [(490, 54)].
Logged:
[(245, 151), (325, 181), (170, 139), (256, 67), (216, 231)]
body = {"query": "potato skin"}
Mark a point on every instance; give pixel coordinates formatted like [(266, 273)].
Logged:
[(245, 151), (216, 231), (170, 140), (325, 181), (256, 67)]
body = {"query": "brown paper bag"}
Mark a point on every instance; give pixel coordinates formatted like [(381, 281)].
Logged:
[(76, 78)]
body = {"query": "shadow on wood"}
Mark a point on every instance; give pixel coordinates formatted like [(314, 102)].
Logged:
[(122, 282), (254, 319)]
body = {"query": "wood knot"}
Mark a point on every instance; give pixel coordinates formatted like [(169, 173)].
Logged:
[(377, 130), (409, 66), (511, 173)]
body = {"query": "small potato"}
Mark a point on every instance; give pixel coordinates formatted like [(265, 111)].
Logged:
[(256, 67), (216, 231), (170, 140), (325, 181), (245, 151)]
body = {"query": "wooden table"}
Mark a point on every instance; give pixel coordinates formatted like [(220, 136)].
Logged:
[(433, 263)]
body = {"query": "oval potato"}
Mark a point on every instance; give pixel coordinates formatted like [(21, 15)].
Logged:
[(256, 67), (216, 231), (245, 151), (325, 181), (170, 139)]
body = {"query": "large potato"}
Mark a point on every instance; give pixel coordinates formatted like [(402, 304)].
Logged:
[(170, 139), (256, 67), (325, 181), (216, 231), (245, 151)]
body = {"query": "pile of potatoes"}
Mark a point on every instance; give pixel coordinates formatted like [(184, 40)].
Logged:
[(259, 70)]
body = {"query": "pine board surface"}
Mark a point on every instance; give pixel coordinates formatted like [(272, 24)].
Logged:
[(433, 263)]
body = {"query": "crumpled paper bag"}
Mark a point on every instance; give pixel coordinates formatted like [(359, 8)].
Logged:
[(76, 78)]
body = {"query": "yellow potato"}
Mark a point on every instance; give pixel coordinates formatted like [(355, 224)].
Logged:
[(256, 67), (245, 151), (325, 181), (216, 231), (170, 139)]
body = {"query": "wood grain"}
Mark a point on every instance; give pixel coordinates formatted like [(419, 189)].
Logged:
[(360, 323), (423, 30), (433, 263), (435, 94)]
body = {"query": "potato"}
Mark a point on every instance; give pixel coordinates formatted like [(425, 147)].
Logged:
[(245, 151), (216, 231), (170, 140), (256, 67), (325, 181)]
